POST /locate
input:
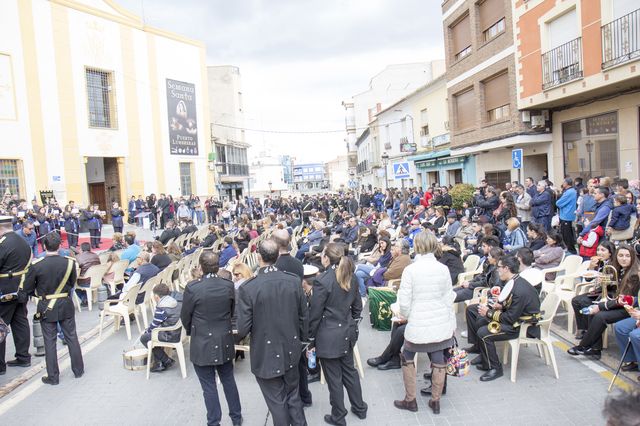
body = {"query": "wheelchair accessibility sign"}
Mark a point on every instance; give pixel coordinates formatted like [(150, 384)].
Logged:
[(401, 170), (516, 158)]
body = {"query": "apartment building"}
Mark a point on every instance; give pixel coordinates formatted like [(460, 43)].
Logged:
[(481, 75), (579, 59)]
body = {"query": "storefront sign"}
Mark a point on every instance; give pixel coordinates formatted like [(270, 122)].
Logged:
[(603, 124), (183, 126), (451, 160), (441, 139), (443, 162), (408, 147), (426, 163)]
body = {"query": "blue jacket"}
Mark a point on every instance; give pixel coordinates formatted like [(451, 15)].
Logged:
[(601, 217), (31, 240), (567, 205), (541, 204), (621, 217), (226, 255)]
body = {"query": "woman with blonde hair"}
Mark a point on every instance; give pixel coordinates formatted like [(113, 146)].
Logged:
[(425, 300), (111, 261), (333, 327), (241, 273)]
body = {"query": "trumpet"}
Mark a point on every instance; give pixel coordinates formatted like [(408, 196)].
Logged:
[(494, 327), (608, 277)]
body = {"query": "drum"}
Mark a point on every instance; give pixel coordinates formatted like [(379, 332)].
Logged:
[(135, 359), (380, 300)]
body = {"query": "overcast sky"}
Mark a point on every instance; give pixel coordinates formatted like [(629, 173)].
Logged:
[(300, 58)]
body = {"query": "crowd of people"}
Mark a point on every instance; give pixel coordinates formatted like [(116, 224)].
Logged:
[(319, 259)]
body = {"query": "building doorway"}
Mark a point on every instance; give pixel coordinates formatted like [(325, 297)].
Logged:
[(535, 166), (103, 180)]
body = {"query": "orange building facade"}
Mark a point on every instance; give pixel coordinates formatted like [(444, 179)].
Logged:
[(578, 62)]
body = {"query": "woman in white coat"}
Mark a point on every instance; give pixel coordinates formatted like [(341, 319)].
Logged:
[(425, 300)]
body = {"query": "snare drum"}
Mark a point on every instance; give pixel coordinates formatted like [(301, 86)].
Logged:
[(135, 359)]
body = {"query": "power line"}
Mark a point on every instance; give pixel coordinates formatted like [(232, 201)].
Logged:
[(304, 132)]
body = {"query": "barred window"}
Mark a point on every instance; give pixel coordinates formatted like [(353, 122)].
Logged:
[(11, 177), (101, 99), (185, 179)]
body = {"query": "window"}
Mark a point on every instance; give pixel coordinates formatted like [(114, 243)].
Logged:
[(492, 22), (185, 179), (465, 109), (624, 7), (563, 61), (590, 146), (233, 159), (497, 179), (424, 122), (461, 38), (496, 97), (101, 99), (11, 177), (563, 29)]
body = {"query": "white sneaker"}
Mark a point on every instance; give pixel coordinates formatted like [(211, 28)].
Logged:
[(464, 334)]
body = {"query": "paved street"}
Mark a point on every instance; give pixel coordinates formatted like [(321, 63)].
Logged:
[(109, 394)]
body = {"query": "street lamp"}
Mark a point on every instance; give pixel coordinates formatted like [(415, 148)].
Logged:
[(589, 150), (385, 161)]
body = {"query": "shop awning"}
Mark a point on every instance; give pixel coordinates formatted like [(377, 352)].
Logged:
[(430, 155)]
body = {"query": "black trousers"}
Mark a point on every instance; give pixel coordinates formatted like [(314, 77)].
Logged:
[(283, 398), (72, 240), (94, 237), (598, 324), (118, 229), (158, 352), (15, 315), (207, 376), (568, 235), (392, 351), (578, 303), (340, 374), (303, 384), (463, 294), (50, 334)]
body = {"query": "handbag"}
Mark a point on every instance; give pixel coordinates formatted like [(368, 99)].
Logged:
[(457, 360)]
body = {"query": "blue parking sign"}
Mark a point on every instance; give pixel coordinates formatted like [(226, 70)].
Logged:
[(516, 158)]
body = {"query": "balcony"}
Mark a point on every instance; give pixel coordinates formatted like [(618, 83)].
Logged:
[(620, 40), (562, 64)]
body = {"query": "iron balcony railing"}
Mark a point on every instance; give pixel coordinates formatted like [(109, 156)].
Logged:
[(621, 40), (562, 64)]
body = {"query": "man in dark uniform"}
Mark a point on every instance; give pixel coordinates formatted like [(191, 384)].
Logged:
[(51, 279), (521, 304), (72, 227), (15, 256), (207, 309), (273, 309)]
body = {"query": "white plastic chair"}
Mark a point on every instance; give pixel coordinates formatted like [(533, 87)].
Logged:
[(118, 275), (569, 265), (471, 268), (122, 309), (568, 288), (147, 303), (95, 273), (154, 342), (548, 310)]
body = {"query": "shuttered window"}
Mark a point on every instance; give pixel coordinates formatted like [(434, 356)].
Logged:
[(496, 91), (465, 109), (491, 11), (461, 37)]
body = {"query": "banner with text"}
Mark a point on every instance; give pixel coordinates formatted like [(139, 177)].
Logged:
[(183, 127)]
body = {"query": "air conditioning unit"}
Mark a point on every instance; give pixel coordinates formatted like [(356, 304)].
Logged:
[(387, 146), (537, 121), (446, 125), (526, 116)]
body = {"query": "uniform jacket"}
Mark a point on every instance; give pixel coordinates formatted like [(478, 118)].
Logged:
[(207, 308), (426, 300), (44, 277), (333, 315), (522, 301), (92, 219), (30, 239), (15, 255), (273, 308), (71, 225), (116, 218)]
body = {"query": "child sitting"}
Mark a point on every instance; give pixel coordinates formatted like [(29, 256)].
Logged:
[(167, 313), (621, 214), (589, 243)]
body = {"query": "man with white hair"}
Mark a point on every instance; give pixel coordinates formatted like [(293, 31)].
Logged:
[(541, 206)]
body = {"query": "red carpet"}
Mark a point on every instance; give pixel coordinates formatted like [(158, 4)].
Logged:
[(105, 242)]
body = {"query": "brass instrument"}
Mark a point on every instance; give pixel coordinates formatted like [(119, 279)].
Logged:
[(494, 327), (609, 276)]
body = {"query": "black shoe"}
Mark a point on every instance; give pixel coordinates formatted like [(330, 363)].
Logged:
[(329, 420), (374, 362), (237, 422), (390, 365), (629, 366), (427, 391), (593, 353), (360, 415), (307, 404), (481, 367), (580, 334), (49, 381), (79, 375), (576, 350), (157, 367), (168, 363), (476, 361), (427, 375), (491, 375), (473, 349), (313, 378), (3, 371), (18, 363)]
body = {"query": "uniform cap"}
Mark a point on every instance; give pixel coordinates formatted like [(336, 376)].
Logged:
[(310, 270)]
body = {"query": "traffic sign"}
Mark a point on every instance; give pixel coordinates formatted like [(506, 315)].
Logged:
[(516, 158), (401, 170)]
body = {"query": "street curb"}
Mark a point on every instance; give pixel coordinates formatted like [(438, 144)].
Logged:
[(7, 388)]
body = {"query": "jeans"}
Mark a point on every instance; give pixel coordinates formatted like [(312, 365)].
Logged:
[(362, 275), (207, 376), (626, 330)]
